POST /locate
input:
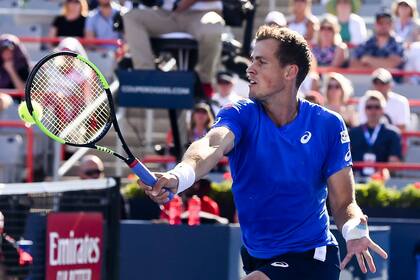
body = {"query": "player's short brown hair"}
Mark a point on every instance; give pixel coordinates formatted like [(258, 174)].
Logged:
[(292, 48)]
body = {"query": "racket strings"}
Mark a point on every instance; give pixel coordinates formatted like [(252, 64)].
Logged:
[(74, 102)]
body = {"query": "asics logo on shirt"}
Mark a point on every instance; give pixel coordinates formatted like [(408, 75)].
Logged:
[(347, 157), (217, 121), (280, 264), (306, 137)]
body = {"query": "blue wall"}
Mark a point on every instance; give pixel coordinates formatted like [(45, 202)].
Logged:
[(405, 235), (159, 251)]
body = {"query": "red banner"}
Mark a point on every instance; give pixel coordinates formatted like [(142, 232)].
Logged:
[(74, 246)]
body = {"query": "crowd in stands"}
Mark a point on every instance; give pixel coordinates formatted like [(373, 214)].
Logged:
[(339, 39)]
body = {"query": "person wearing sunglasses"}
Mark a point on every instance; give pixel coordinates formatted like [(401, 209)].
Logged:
[(329, 50), (375, 140), (225, 93), (397, 109), (337, 91), (91, 167)]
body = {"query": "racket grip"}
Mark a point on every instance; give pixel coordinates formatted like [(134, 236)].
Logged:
[(146, 176)]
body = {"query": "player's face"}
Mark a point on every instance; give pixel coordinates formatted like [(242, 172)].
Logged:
[(265, 73)]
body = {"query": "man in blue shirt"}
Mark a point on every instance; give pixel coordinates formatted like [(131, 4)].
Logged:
[(283, 153), (99, 23), (382, 49)]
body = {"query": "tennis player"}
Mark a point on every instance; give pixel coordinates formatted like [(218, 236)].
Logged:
[(286, 157)]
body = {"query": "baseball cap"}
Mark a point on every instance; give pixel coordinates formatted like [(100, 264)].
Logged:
[(383, 12), (225, 76), (275, 17), (376, 95), (382, 75)]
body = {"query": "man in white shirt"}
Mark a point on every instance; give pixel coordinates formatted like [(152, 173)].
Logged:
[(200, 18), (225, 93), (397, 109)]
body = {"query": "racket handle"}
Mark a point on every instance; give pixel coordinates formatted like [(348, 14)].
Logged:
[(146, 176)]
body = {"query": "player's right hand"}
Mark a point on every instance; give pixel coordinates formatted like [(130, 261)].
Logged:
[(159, 193)]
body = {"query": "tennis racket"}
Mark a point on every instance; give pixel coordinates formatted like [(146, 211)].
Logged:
[(70, 101)]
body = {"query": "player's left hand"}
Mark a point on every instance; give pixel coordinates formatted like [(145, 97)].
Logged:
[(360, 248)]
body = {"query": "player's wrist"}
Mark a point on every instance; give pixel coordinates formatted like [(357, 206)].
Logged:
[(185, 175), (354, 229)]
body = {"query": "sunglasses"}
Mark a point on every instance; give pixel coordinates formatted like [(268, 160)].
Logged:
[(327, 28), (223, 82), (333, 86), (379, 82), (92, 172), (373, 107)]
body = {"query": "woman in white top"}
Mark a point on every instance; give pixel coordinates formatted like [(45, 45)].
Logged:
[(302, 20), (352, 27), (405, 24)]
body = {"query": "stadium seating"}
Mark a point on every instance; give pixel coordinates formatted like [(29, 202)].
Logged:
[(11, 158)]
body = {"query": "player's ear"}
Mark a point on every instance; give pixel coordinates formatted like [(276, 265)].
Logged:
[(291, 71)]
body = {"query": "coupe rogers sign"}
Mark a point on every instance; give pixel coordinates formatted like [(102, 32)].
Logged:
[(74, 246)]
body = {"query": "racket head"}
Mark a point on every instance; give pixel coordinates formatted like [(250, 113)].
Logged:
[(74, 97)]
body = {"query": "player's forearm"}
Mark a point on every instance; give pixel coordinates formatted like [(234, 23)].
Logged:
[(342, 197), (346, 212), (202, 156)]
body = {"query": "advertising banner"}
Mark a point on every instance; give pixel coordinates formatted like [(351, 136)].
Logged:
[(74, 246)]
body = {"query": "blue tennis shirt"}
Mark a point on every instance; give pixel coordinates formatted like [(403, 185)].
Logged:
[(280, 175)]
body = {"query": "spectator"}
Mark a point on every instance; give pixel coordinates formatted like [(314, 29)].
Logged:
[(197, 18), (225, 94), (312, 80), (329, 50), (200, 123), (413, 62), (5, 101), (71, 44), (315, 97), (406, 25), (375, 140), (71, 22), (397, 109), (276, 17), (352, 26), (100, 21), (302, 20), (14, 65), (91, 167), (337, 91), (382, 49)]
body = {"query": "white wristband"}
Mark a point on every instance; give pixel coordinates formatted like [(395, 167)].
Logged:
[(185, 174), (353, 229)]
